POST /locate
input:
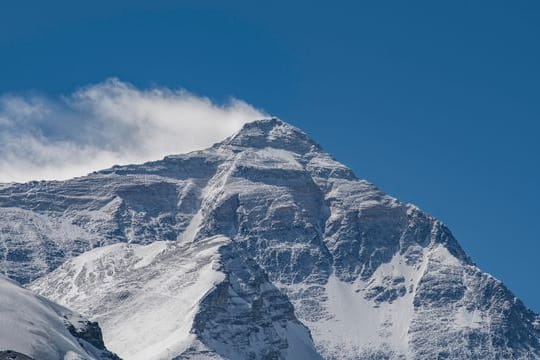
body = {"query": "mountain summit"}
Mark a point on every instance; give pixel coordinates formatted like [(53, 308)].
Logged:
[(260, 247), (272, 133)]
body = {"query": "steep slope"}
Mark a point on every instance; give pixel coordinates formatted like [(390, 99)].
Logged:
[(33, 327), (370, 276), (166, 300)]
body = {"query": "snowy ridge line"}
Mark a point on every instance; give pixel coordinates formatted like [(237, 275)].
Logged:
[(179, 301), (304, 236), (39, 329)]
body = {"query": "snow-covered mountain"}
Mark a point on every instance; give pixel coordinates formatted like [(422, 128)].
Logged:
[(161, 300), (262, 246), (32, 327)]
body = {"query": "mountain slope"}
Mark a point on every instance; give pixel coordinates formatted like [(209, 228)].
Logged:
[(368, 275), (37, 328), (166, 299)]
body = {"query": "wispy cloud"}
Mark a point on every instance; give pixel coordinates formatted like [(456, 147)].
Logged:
[(105, 124)]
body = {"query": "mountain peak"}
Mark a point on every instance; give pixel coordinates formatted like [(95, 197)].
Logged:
[(267, 232), (272, 132)]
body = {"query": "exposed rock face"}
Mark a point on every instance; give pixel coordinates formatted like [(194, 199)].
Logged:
[(13, 355), (171, 299), (369, 276)]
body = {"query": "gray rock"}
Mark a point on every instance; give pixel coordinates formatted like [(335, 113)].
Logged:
[(370, 277)]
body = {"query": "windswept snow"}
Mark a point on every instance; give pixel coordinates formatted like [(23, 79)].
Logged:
[(153, 301), (36, 327), (230, 251), (144, 296), (355, 322)]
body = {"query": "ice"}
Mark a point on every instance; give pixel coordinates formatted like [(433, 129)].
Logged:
[(36, 327)]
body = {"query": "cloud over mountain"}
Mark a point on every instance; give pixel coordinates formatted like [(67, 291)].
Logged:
[(108, 123)]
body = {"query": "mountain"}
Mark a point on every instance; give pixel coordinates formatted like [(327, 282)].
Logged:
[(165, 299), (260, 247), (32, 327)]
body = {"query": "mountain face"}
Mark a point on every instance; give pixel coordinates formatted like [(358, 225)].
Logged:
[(260, 247), (161, 300), (32, 327)]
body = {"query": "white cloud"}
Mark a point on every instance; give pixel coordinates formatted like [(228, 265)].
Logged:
[(106, 124)]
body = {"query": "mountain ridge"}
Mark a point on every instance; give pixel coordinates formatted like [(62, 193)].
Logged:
[(34, 327), (326, 240)]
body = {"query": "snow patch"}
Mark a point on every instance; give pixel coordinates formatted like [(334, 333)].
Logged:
[(355, 324), (147, 254)]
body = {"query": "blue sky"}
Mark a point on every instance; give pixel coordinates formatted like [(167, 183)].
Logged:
[(435, 102)]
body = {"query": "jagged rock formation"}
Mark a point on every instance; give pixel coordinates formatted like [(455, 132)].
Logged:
[(13, 355), (369, 276), (170, 299)]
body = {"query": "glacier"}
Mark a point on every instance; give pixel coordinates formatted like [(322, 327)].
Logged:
[(260, 247)]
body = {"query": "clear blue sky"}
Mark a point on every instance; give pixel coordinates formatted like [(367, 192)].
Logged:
[(438, 103)]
